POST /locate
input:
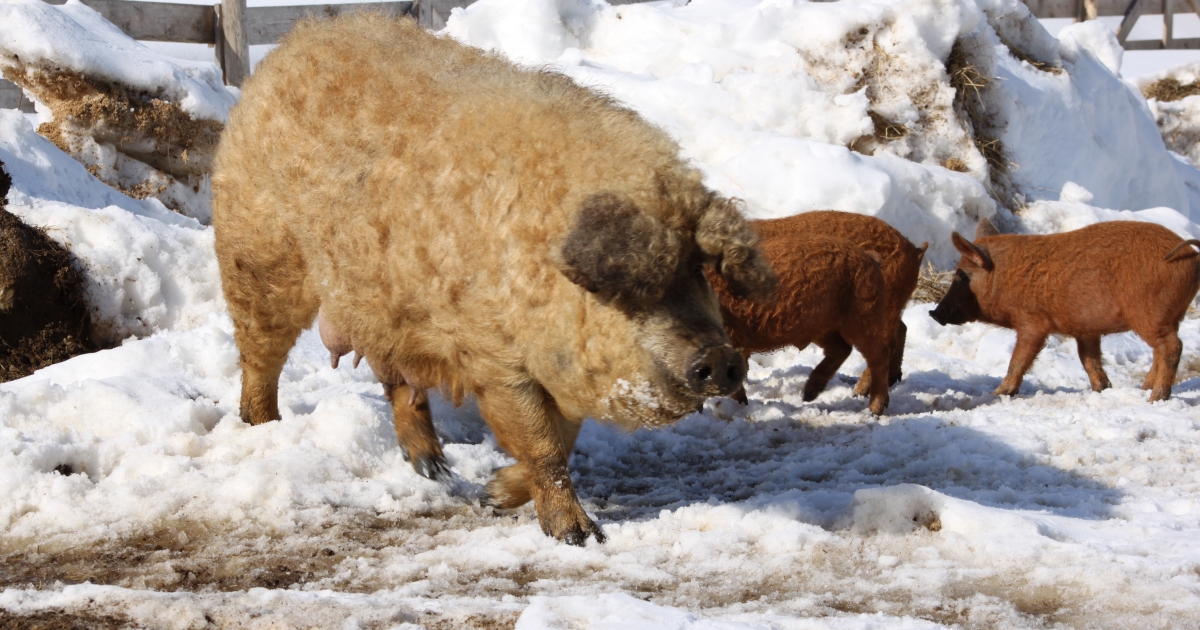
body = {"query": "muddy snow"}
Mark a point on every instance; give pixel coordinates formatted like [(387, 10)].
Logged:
[(132, 495)]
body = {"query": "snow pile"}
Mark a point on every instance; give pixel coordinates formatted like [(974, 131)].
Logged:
[(798, 106), (1172, 95), (140, 122), (145, 268)]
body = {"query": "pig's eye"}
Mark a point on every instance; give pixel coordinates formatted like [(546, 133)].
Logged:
[(698, 269), (962, 275)]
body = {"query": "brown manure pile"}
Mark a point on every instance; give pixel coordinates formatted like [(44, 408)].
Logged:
[(140, 143), (43, 319)]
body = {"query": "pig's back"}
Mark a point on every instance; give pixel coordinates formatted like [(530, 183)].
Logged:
[(1100, 279)]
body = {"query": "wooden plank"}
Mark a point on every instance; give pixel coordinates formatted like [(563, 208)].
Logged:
[(1189, 43), (157, 21), (235, 47), (265, 25), (1168, 25), (1102, 8), (11, 97), (1132, 13), (432, 14)]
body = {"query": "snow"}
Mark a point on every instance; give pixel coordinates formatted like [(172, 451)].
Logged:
[(75, 37), (145, 268), (768, 96), (127, 474)]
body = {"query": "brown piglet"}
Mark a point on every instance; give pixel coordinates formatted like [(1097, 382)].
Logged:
[(1102, 279), (831, 292), (900, 262)]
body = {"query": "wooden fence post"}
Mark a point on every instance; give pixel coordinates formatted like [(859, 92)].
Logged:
[(234, 52)]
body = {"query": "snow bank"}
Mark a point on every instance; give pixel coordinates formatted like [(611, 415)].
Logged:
[(140, 122), (799, 106), (74, 37), (145, 268)]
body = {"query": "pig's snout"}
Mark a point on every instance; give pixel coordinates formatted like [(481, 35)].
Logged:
[(938, 317), (716, 371)]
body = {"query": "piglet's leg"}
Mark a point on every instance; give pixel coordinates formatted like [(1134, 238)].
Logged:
[(1029, 344), (1167, 351), (836, 350), (1089, 354), (895, 369), (414, 430), (528, 425)]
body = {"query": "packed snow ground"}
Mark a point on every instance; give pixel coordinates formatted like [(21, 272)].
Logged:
[(130, 490)]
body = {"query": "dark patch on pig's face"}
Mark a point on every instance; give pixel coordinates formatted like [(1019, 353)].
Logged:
[(619, 252), (684, 337), (959, 305), (654, 275)]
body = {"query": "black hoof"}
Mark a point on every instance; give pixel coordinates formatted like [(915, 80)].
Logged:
[(434, 468), (578, 536)]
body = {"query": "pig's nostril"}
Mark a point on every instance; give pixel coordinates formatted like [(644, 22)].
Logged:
[(734, 374), (717, 371)]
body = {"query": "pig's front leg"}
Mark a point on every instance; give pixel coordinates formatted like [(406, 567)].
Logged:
[(528, 424), (1029, 344), (414, 429)]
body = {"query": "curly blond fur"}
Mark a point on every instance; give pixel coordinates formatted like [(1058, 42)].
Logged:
[(444, 209)]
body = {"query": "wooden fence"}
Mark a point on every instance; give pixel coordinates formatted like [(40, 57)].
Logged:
[(232, 28)]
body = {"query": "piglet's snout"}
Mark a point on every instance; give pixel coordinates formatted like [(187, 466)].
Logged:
[(716, 371)]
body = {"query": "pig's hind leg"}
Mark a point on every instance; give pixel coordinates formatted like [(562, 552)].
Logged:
[(1167, 351), (1089, 355), (1029, 344), (270, 306), (895, 373), (836, 350)]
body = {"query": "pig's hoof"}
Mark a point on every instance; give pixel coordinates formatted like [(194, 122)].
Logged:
[(812, 390), (577, 534), (1006, 390), (878, 406), (433, 467), (862, 387)]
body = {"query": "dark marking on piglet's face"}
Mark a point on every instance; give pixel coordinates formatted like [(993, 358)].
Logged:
[(961, 304)]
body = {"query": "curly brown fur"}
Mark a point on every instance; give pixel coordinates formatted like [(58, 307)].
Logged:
[(831, 293), (1102, 279), (899, 258), (437, 244)]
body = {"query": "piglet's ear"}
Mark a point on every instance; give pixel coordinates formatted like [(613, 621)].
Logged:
[(614, 249), (985, 228), (973, 254), (722, 233)]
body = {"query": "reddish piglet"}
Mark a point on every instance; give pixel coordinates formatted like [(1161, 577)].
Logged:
[(1098, 280), (831, 292), (900, 262)]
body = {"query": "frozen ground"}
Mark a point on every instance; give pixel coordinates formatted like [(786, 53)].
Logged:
[(131, 493)]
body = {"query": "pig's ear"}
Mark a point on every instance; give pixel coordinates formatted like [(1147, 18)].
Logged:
[(985, 228), (972, 253), (722, 233), (614, 249)]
